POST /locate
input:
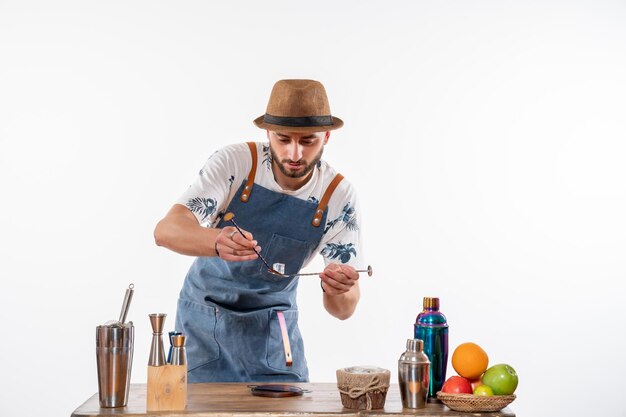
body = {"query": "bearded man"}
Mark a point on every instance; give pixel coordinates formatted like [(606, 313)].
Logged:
[(255, 216)]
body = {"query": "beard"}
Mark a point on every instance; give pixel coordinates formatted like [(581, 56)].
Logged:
[(308, 167)]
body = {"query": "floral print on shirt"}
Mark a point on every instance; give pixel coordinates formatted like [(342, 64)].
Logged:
[(347, 216), (337, 250), (267, 157), (202, 206)]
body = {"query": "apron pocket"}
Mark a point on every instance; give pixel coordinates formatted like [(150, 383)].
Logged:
[(197, 322), (276, 349), (290, 252)]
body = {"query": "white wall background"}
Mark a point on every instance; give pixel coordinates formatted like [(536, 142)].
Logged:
[(486, 139)]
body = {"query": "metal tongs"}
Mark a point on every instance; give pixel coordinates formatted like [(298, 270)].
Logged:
[(229, 218)]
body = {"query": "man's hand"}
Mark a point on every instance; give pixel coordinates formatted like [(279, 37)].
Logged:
[(338, 279), (341, 290), (232, 246), (180, 231)]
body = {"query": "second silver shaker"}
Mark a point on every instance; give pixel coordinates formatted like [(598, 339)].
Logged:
[(179, 355), (414, 375)]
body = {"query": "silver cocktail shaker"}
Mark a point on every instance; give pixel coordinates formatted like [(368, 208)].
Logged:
[(114, 358), (413, 375)]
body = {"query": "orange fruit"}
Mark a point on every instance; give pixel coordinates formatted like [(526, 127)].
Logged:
[(470, 360)]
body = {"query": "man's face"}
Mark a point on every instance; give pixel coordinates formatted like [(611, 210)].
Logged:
[(296, 154)]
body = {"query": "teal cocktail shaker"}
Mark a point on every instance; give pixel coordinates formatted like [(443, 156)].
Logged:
[(431, 327)]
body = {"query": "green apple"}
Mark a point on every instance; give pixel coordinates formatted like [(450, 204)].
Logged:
[(502, 379)]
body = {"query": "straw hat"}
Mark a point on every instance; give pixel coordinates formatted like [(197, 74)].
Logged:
[(298, 106)]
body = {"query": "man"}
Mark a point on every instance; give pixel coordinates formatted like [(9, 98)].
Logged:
[(240, 318)]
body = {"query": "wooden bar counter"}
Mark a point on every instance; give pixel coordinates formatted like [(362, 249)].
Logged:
[(235, 400)]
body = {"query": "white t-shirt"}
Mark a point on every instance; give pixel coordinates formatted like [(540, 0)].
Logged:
[(224, 171)]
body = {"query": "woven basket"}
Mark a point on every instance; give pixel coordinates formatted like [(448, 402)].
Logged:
[(475, 403)]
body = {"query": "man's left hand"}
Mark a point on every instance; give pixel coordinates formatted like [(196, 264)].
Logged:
[(338, 279)]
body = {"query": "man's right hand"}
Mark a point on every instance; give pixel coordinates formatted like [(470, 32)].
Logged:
[(232, 246), (180, 231)]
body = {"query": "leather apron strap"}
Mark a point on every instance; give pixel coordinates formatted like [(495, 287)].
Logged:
[(247, 189), (319, 212), (285, 335)]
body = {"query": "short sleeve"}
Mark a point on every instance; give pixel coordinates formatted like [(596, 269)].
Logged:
[(342, 233), (216, 183)]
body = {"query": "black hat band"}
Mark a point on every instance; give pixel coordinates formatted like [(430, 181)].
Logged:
[(306, 121)]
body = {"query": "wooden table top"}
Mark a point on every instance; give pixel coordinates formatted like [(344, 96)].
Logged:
[(235, 400)]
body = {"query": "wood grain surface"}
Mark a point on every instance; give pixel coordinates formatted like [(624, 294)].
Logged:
[(166, 388), (235, 400)]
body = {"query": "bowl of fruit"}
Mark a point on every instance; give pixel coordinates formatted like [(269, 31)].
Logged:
[(477, 387)]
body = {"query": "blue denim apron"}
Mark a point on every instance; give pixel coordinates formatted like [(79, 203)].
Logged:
[(227, 310)]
